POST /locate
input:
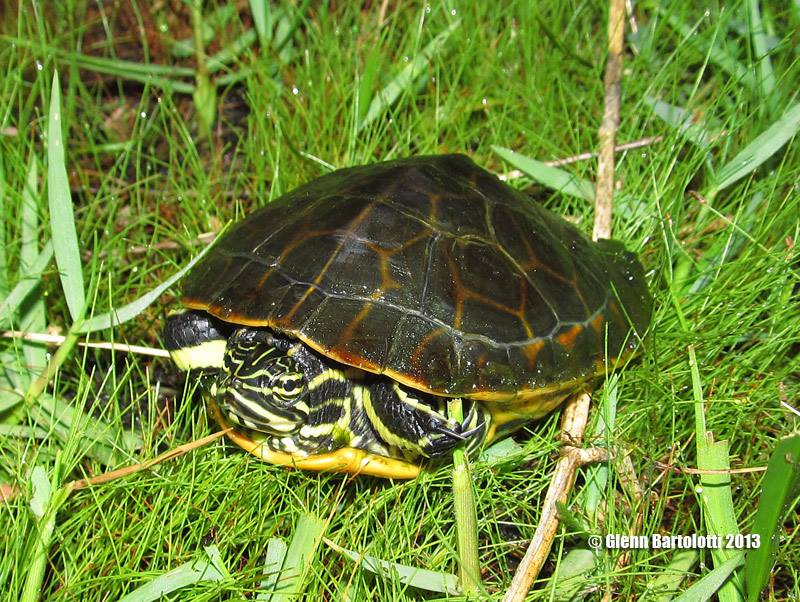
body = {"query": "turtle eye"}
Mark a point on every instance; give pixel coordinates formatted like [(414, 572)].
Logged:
[(289, 386)]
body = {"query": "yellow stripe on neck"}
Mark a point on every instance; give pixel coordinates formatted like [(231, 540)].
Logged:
[(209, 354)]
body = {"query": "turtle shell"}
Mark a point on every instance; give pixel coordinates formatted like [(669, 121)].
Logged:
[(434, 272)]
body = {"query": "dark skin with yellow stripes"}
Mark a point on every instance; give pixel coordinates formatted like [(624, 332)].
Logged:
[(307, 404)]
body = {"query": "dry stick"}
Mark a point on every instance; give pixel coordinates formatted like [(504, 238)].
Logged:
[(640, 143), (128, 470), (57, 339), (608, 129), (576, 413), (573, 424), (382, 14), (618, 148), (10, 492)]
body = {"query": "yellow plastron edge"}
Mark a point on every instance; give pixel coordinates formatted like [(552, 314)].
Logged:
[(349, 460)]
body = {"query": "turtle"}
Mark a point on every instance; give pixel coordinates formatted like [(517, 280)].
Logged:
[(337, 327)]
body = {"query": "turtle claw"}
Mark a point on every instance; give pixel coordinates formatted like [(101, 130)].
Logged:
[(450, 436), (451, 433)]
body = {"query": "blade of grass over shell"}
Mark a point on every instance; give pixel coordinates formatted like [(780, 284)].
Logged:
[(136, 307), (290, 583), (551, 177), (779, 488), (432, 581), (715, 489), (26, 284), (713, 582), (663, 587), (404, 80), (190, 573), (62, 220), (760, 149)]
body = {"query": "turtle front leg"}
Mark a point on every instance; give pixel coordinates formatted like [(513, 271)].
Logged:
[(418, 422)]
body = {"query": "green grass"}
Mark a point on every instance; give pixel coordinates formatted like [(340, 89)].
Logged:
[(716, 223)]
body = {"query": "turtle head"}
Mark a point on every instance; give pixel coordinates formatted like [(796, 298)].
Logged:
[(196, 340), (261, 386)]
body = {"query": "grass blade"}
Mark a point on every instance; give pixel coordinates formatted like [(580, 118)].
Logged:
[(712, 582), (424, 579), (40, 492), (26, 284), (573, 574), (551, 177), (231, 52), (189, 573), (134, 308), (760, 149), (4, 275), (504, 451), (725, 249), (275, 557), (261, 20), (469, 568), (662, 588), (299, 557), (715, 489), (161, 76), (102, 439), (597, 475), (780, 486), (682, 120), (48, 496), (405, 79), (766, 76), (721, 56), (34, 319), (62, 220)]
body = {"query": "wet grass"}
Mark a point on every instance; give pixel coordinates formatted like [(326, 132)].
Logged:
[(341, 86)]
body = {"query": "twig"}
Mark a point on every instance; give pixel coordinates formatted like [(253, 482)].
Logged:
[(57, 339), (382, 13), (128, 470), (641, 142), (576, 413), (617, 149), (686, 470), (608, 129), (205, 238)]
